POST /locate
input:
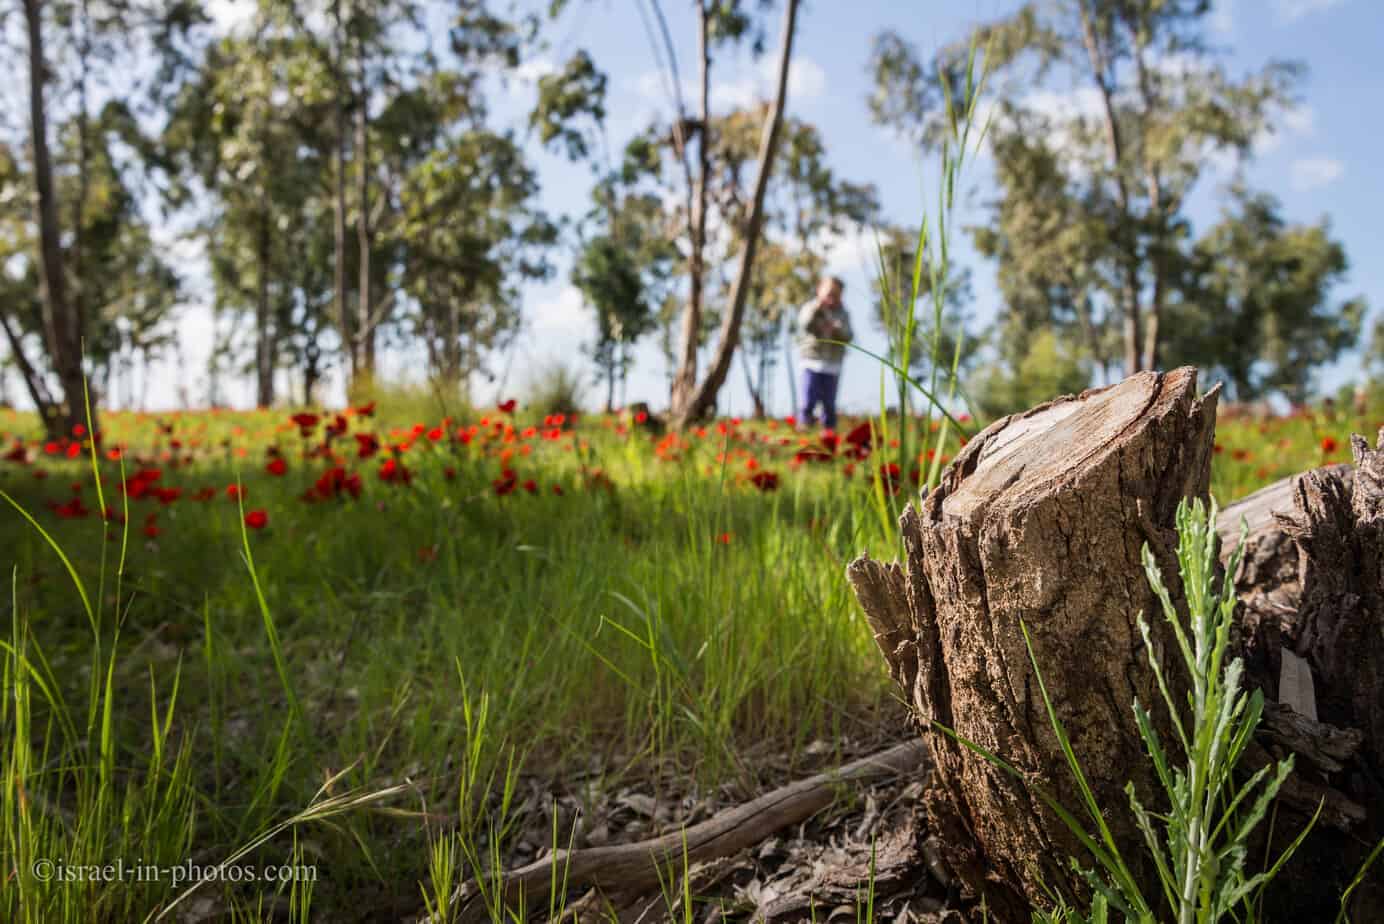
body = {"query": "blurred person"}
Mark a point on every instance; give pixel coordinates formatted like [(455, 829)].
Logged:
[(821, 320)]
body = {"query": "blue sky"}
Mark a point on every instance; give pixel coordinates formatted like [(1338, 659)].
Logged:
[(1324, 160)]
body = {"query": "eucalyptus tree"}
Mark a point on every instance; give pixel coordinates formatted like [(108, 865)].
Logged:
[(625, 269), (671, 148), (1256, 307), (81, 59), (469, 234), (249, 132), (1107, 115)]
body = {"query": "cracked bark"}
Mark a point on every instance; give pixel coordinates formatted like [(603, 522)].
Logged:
[(1041, 519)]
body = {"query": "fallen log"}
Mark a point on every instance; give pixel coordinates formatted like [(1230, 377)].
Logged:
[(627, 869), (1040, 520)]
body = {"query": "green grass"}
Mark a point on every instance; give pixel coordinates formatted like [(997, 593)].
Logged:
[(232, 671), (421, 648)]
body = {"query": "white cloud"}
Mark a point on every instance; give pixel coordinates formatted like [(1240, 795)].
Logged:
[(230, 15), (1315, 172), (1223, 17), (561, 315), (534, 68), (1070, 112), (1292, 10), (806, 81), (849, 251), (1299, 122)]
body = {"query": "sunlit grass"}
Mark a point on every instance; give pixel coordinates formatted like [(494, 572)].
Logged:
[(661, 620)]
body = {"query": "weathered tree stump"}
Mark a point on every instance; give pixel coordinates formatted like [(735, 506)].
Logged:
[(1041, 519)]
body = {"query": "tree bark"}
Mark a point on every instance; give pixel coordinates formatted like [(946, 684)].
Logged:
[(343, 318), (62, 329), (1134, 346), (685, 378), (33, 380), (365, 329), (703, 397), (1041, 519), (264, 321)]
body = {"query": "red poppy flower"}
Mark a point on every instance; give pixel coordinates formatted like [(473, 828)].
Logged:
[(724, 538), (765, 481), (365, 410), (436, 433), (234, 491), (337, 427), (860, 436), (641, 417), (394, 472), (889, 475), (1329, 445), (557, 489), (276, 466), (506, 483), (78, 429), (367, 444), (305, 422), (167, 495), (204, 494), (72, 510), (507, 407), (531, 486), (256, 519)]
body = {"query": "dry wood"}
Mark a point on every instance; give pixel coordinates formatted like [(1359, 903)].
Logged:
[(632, 868), (1041, 519)]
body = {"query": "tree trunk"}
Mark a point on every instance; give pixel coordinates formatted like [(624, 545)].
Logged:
[(1311, 588), (33, 380), (365, 332), (343, 318), (703, 397), (1041, 518), (264, 322), (685, 378), (62, 329)]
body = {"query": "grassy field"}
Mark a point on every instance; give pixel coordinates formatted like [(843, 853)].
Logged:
[(356, 632)]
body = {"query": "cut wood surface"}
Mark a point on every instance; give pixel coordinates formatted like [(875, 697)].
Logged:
[(632, 868), (1040, 520)]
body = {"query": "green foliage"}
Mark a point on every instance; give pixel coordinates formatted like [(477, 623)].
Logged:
[(897, 247), (517, 595), (1047, 370), (625, 273), (555, 388), (1257, 309), (575, 92), (1089, 229), (1199, 846)]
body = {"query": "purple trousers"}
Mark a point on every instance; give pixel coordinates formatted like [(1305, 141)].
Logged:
[(818, 388)]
